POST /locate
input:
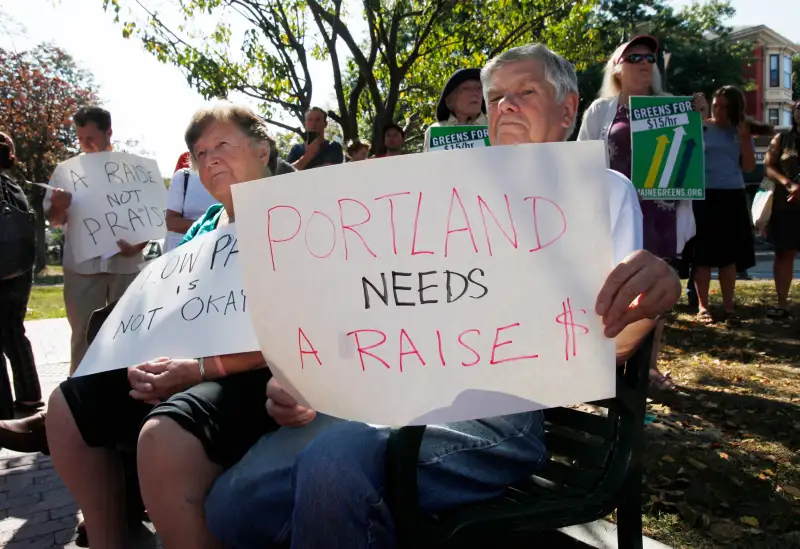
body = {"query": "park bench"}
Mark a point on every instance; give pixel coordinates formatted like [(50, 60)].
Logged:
[(594, 467)]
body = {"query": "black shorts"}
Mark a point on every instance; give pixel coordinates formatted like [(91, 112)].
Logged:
[(227, 415)]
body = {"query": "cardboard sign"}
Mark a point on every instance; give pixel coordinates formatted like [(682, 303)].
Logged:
[(465, 291), (186, 304), (446, 138), (667, 140), (114, 196)]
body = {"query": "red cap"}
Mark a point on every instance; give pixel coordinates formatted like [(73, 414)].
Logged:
[(183, 162), (643, 39)]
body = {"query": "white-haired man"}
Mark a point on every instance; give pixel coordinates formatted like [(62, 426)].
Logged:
[(330, 494)]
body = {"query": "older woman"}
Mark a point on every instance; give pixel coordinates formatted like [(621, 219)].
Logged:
[(209, 410), (461, 102), (668, 224), (783, 168)]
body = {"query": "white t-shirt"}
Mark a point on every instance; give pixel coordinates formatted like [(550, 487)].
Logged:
[(193, 205), (197, 199), (626, 216)]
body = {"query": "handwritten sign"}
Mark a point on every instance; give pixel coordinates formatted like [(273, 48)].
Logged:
[(186, 304), (466, 291), (114, 196), (446, 138), (667, 140)]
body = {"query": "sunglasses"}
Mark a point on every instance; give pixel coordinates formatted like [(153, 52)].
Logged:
[(635, 58)]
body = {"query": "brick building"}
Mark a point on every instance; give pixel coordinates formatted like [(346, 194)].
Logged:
[(770, 70), (769, 99)]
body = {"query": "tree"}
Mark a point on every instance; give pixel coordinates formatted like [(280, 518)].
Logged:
[(40, 90), (697, 39), (397, 67)]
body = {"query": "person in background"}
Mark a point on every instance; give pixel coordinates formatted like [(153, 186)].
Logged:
[(356, 151), (97, 282), (187, 201), (277, 165), (461, 103), (17, 257), (394, 139), (724, 236), (326, 490), (668, 224), (316, 151), (783, 168)]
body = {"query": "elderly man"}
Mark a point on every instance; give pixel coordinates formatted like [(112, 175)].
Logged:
[(330, 494)]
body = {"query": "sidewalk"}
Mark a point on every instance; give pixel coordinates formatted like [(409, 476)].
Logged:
[(36, 510)]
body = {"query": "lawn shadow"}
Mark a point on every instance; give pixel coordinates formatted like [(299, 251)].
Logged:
[(701, 468), (749, 343)]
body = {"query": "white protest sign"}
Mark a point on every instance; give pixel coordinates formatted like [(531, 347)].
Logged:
[(114, 196), (186, 304), (433, 288)]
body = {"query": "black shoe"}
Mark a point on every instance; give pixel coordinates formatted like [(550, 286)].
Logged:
[(25, 435)]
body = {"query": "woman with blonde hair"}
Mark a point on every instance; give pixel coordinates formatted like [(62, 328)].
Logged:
[(631, 71)]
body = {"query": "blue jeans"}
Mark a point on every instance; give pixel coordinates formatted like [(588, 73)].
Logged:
[(321, 486)]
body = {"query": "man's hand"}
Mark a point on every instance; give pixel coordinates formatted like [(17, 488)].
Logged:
[(60, 200), (313, 148), (640, 287), (284, 408), (129, 250), (161, 378)]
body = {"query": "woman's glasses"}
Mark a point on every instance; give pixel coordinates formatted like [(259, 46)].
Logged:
[(634, 58)]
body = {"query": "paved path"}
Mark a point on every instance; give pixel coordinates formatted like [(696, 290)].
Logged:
[(763, 267), (36, 510)]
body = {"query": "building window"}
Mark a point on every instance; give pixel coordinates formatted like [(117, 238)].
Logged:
[(787, 118), (773, 117), (787, 72), (774, 71)]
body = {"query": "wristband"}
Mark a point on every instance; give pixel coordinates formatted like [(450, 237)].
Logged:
[(220, 368)]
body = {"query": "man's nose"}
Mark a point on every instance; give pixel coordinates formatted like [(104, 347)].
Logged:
[(508, 103)]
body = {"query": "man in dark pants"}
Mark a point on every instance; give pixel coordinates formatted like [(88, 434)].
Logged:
[(18, 250)]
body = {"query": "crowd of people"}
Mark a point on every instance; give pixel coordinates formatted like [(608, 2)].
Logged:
[(225, 456)]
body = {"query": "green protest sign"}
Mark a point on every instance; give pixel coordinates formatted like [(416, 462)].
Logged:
[(667, 140), (445, 138)]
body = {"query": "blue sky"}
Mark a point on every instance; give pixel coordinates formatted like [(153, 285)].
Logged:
[(152, 102)]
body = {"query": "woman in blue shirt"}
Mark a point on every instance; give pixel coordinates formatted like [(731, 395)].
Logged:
[(724, 238)]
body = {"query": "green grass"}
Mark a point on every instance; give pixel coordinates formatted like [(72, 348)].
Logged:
[(46, 302), (52, 274)]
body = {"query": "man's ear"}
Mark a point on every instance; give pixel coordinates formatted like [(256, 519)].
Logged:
[(110, 132), (570, 105), (263, 152)]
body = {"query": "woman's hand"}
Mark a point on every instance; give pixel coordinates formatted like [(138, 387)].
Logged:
[(161, 378), (700, 104), (744, 131), (793, 187), (283, 408)]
